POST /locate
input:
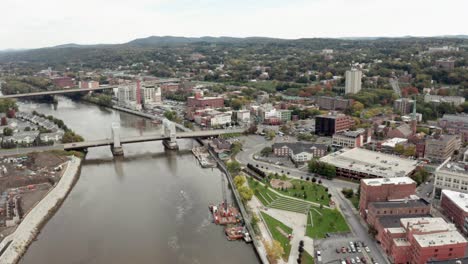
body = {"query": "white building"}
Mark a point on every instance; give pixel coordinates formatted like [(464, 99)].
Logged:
[(353, 81), (243, 116), (151, 96), (450, 176), (349, 139), (127, 97), (221, 119), (455, 100)]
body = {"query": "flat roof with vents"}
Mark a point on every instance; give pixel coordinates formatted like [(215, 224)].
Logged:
[(458, 198), (374, 163)]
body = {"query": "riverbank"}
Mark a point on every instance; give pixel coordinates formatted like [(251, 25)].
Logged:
[(17, 243)]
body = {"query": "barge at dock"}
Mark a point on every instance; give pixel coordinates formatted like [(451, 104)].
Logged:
[(203, 157)]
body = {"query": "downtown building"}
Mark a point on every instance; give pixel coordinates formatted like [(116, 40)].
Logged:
[(359, 163), (332, 123), (450, 176), (442, 147), (454, 206), (403, 105), (417, 240), (353, 81), (455, 125)]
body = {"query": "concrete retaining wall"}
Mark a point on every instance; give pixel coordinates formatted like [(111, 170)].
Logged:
[(34, 220)]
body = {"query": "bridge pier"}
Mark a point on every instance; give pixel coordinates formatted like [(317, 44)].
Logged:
[(171, 145), (116, 147), (117, 151), (170, 132)]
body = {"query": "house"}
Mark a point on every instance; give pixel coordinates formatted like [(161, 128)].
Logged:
[(299, 152), (22, 138)]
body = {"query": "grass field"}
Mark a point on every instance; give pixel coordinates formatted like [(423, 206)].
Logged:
[(271, 199), (314, 192), (273, 225), (325, 221), (307, 258)]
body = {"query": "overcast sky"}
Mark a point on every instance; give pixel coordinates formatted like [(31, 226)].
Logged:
[(41, 23)]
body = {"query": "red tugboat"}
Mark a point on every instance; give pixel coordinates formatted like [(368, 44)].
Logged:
[(234, 233), (225, 214)]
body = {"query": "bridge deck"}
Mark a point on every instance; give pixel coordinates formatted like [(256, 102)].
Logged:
[(150, 137)]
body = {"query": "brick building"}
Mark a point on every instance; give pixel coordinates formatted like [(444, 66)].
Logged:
[(418, 240), (333, 103), (332, 123), (88, 84), (63, 82), (382, 190), (456, 125), (445, 64), (455, 207), (198, 101), (400, 207)]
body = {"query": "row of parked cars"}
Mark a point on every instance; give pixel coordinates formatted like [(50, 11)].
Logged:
[(353, 248)]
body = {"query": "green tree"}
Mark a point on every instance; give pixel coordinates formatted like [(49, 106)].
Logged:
[(246, 193), (236, 147), (239, 180), (7, 131), (233, 167), (266, 151)]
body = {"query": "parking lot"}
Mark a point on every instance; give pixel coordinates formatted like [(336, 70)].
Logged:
[(340, 250)]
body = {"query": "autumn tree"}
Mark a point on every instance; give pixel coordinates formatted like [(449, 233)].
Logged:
[(274, 251)]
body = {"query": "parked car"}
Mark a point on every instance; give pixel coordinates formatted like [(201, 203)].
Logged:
[(358, 260), (319, 256), (353, 261), (367, 249), (343, 250)]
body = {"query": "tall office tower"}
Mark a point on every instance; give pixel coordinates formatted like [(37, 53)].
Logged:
[(353, 81)]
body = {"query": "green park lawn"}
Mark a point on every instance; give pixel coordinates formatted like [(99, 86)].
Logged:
[(273, 226), (314, 192), (263, 194), (325, 221), (307, 258)]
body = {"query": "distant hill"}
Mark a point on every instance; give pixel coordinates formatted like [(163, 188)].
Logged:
[(163, 40)]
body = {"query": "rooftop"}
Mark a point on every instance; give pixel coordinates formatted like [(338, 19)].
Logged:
[(371, 162), (382, 181), (352, 134), (427, 224), (455, 118), (393, 142), (393, 221), (453, 167), (460, 199), (400, 204), (332, 115), (401, 242), (440, 239)]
